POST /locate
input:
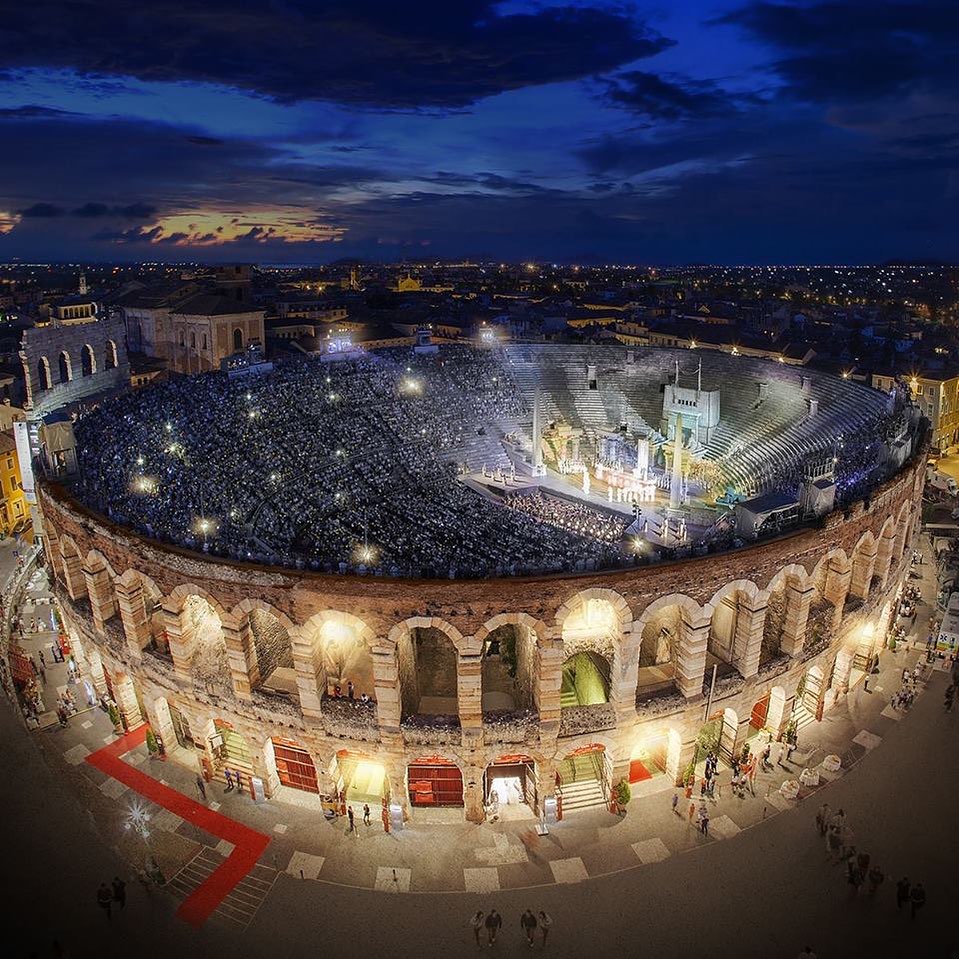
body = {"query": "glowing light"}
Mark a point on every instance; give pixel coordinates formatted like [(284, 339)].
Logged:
[(169, 427), (365, 553)]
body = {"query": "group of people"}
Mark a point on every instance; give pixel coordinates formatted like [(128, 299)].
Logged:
[(113, 894), (327, 466), (904, 697), (530, 922), (862, 872), (569, 515)]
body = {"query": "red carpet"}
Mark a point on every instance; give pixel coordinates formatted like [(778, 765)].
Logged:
[(249, 844), (638, 771)]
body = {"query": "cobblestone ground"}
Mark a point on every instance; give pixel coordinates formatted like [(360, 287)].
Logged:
[(648, 884)]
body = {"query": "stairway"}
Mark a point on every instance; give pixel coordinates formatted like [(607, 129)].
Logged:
[(582, 794)]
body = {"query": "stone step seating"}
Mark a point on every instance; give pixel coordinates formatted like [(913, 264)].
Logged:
[(583, 795)]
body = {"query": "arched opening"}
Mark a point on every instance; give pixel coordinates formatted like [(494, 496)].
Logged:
[(592, 633), (237, 339), (341, 655), (774, 623), (66, 367), (585, 680), (729, 630), (427, 667), (659, 645), (110, 355), (229, 750), (43, 374), (292, 764), (509, 670), (358, 779), (88, 363), (510, 787), (210, 665), (274, 655), (434, 781), (653, 754), (582, 778), (192, 341)]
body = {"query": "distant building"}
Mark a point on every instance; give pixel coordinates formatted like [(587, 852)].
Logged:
[(14, 511), (937, 395), (71, 353)]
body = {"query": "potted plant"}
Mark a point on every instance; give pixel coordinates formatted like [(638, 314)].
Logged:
[(114, 713), (621, 796), (153, 747)]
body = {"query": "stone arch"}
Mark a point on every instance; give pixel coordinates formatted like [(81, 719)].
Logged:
[(259, 639), (44, 380), (334, 648), (430, 655), (668, 654), (66, 367), (515, 662), (88, 360), (237, 339), (194, 627), (902, 530), (110, 355), (885, 551), (831, 580), (290, 764), (737, 616)]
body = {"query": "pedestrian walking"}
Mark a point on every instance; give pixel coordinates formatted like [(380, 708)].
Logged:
[(493, 923), (704, 823), (903, 888), (43, 662), (876, 878), (349, 689), (822, 818), (528, 923), (476, 924), (675, 803), (229, 779), (350, 816), (119, 892), (692, 812), (105, 898), (545, 924), (917, 898), (238, 776), (366, 815), (201, 788)]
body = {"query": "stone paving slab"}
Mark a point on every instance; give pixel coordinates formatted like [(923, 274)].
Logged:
[(502, 853), (722, 827), (280, 828), (224, 847), (891, 713), (483, 879), (305, 866), (167, 820), (867, 739), (568, 870), (392, 879), (76, 754), (651, 850), (112, 788)]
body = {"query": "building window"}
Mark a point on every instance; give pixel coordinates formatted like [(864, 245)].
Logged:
[(43, 373), (88, 362), (238, 339), (110, 356)]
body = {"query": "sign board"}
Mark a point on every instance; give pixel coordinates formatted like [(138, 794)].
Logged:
[(256, 784)]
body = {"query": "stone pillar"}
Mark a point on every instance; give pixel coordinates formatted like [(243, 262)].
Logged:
[(73, 577), (622, 687), (681, 760), (748, 638), (798, 602), (545, 782), (550, 679), (386, 687), (473, 793), (305, 662), (99, 589), (776, 713), (900, 541), (158, 715), (840, 672), (182, 641), (96, 673), (884, 558), (396, 774), (241, 655), (862, 570), (469, 696), (836, 591), (691, 657), (133, 615), (126, 700)]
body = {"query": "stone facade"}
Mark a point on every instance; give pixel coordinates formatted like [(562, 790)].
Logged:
[(828, 590)]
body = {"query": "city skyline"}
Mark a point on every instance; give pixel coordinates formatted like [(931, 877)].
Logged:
[(594, 133)]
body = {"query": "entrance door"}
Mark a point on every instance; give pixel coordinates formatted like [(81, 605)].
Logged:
[(234, 751), (510, 781), (758, 718), (294, 765), (181, 728), (435, 781)]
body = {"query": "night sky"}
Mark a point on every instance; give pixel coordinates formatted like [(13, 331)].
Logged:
[(296, 132)]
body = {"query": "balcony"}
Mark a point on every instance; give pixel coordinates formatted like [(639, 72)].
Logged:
[(510, 725), (349, 718), (431, 730), (574, 720)]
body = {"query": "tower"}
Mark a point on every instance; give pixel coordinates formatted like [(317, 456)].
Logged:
[(676, 479), (83, 284)]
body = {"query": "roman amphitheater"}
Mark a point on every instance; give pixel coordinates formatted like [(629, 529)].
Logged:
[(441, 579)]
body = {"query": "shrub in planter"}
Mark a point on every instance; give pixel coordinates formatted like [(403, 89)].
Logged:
[(623, 794), (152, 745), (114, 715)]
